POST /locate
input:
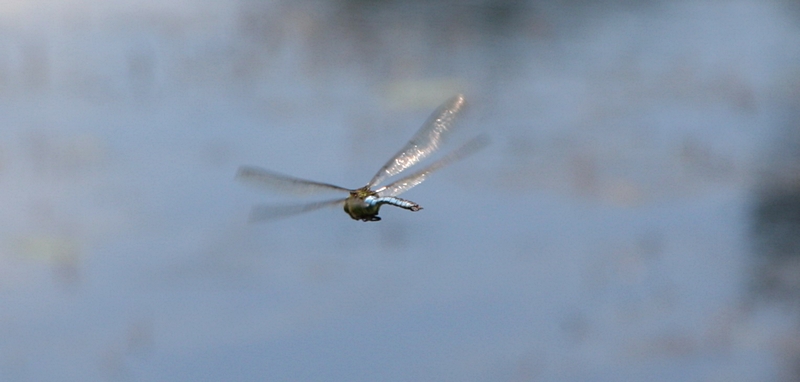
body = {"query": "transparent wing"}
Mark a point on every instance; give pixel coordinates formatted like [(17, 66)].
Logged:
[(270, 212), (412, 180), (283, 183), (424, 142)]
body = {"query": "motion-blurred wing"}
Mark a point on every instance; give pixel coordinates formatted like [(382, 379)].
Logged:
[(283, 183), (268, 212), (412, 180), (424, 142)]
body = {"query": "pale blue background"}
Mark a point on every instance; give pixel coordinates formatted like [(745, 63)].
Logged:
[(603, 236)]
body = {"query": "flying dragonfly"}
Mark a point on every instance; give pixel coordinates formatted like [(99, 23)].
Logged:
[(364, 203)]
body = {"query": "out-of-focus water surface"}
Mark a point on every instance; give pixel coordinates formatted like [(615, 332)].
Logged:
[(636, 217)]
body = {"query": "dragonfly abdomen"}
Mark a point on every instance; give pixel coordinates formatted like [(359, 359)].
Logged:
[(393, 200)]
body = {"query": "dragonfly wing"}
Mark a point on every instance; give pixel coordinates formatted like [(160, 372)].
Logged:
[(272, 212), (409, 182), (424, 142), (283, 183)]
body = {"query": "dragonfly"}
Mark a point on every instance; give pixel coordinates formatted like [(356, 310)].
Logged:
[(364, 203)]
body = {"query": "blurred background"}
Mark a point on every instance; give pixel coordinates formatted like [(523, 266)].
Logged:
[(637, 216)]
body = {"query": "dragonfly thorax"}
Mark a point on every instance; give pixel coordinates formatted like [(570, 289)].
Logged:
[(361, 205)]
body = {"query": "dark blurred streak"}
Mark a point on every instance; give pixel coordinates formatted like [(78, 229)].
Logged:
[(494, 17), (776, 218), (775, 232), (425, 36)]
